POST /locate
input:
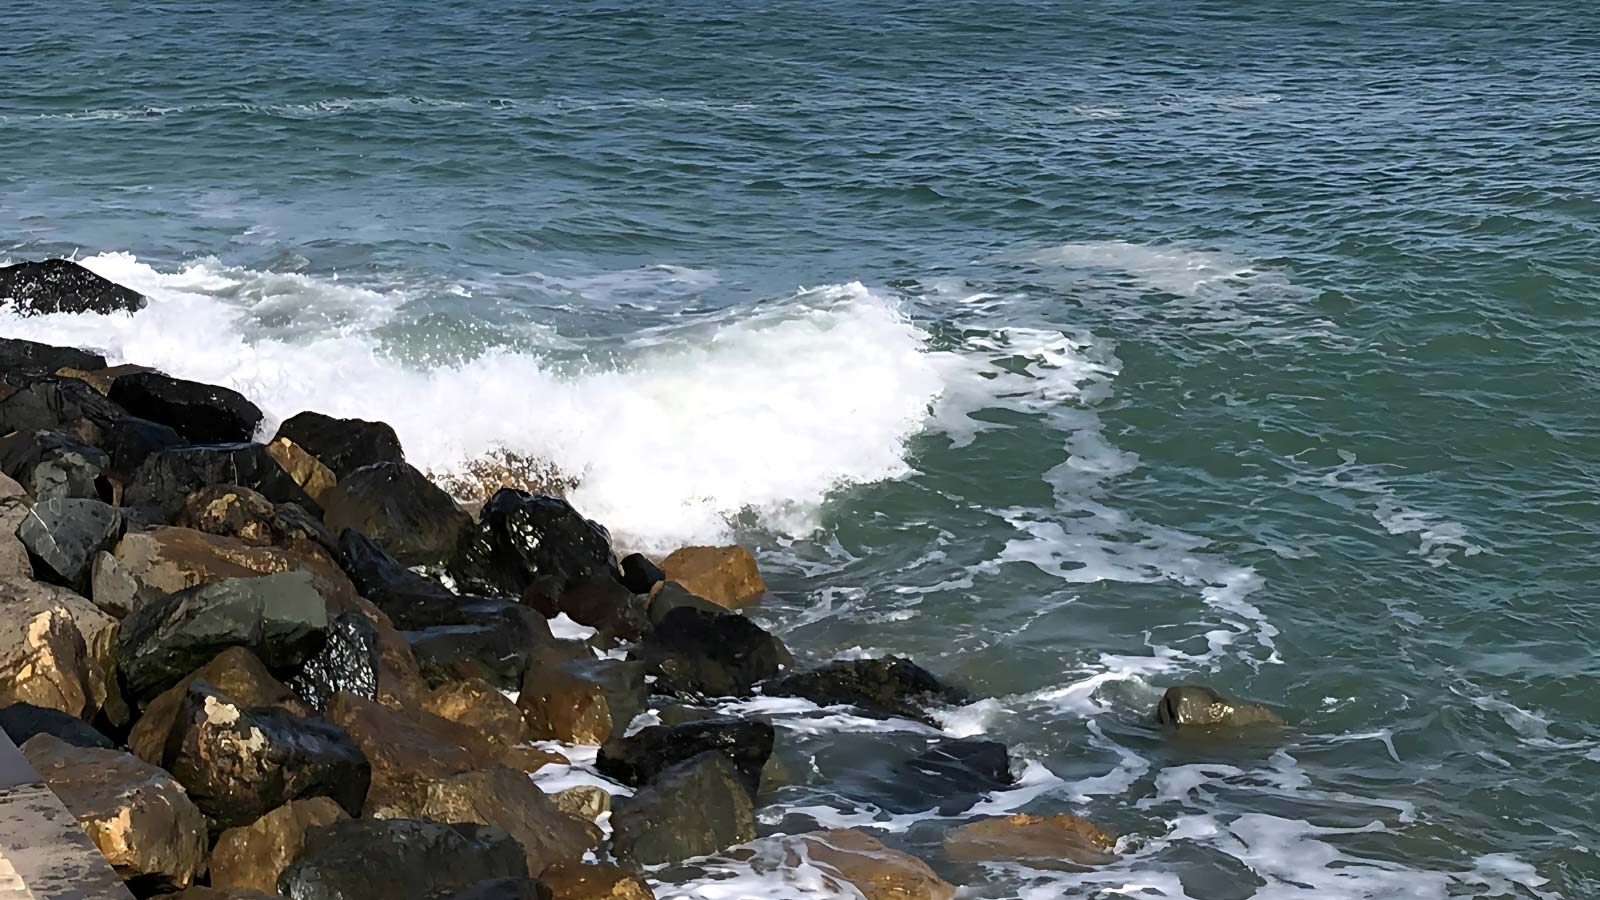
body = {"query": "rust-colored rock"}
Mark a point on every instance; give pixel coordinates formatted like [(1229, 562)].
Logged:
[(727, 576), (100, 379), (863, 862), (586, 801), (595, 882), (56, 649), (580, 701), (306, 470), (1043, 842), (235, 672), (478, 704), (408, 750), (170, 559), (228, 510), (531, 759), (253, 856)]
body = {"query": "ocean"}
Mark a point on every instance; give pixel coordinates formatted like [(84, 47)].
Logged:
[(1073, 350)]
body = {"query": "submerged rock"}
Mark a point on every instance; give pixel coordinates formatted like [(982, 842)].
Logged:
[(727, 576), (50, 465), (1197, 706), (963, 766), (359, 859), (865, 864), (252, 857), (637, 759), (520, 536), (202, 413), (695, 652), (888, 687), (1041, 842), (63, 286), (343, 445), (398, 507), (695, 808)]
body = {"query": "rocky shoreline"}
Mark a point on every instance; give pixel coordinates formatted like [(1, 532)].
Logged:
[(301, 667)]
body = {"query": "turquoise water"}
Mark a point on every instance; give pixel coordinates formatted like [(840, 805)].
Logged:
[(1072, 349)]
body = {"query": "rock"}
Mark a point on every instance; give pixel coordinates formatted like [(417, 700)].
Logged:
[(349, 661), (505, 889), (167, 477), (888, 687), (595, 882), (239, 763), (602, 603), (727, 576), (237, 673), (1197, 706), (408, 749), (864, 863), (72, 408), (520, 536), (1042, 842), (306, 470), (14, 507), (695, 808), (16, 353), (55, 649), (639, 574), (63, 536), (580, 701), (21, 721), (497, 648), (508, 799), (201, 892), (137, 815), (669, 596), (49, 465), (239, 512), (114, 589), (700, 653), (585, 801), (637, 759), (282, 618), (398, 507), (166, 560), (413, 601), (343, 445), (101, 377), (359, 859), (202, 413), (63, 286), (400, 682), (962, 766), (477, 704), (252, 856)]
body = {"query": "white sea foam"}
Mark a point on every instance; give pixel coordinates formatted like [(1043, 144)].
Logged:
[(1173, 269)]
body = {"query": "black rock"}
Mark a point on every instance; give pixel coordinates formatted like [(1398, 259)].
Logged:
[(520, 536), (602, 603), (695, 808), (640, 574), (497, 649), (673, 595), (347, 662), (169, 476), (21, 721), (64, 534), (637, 759), (238, 764), (888, 687), (695, 652), (16, 353), (57, 403), (506, 889), (202, 413), (381, 579), (280, 617), (359, 859), (60, 285), (131, 440), (398, 507), (343, 445), (48, 464), (231, 510), (963, 766)]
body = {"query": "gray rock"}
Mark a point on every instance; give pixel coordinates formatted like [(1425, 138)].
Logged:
[(359, 859), (63, 535), (50, 465), (694, 808)]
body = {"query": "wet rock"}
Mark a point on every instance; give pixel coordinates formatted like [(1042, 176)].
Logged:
[(306, 470), (580, 701), (479, 705), (497, 647), (202, 413), (21, 721), (412, 601), (55, 649), (229, 510), (602, 603), (963, 766), (137, 815), (398, 507), (101, 377), (14, 506), (864, 863), (63, 536), (508, 799), (1197, 706), (520, 536), (237, 673), (400, 682), (359, 859), (1041, 842), (888, 687), (727, 576), (64, 405), (639, 574), (251, 857), (669, 596), (349, 661), (595, 881), (637, 759), (408, 749), (709, 654), (343, 445), (203, 892), (505, 889), (585, 801), (50, 465), (694, 808), (167, 477), (167, 559), (16, 353), (63, 286), (282, 618)]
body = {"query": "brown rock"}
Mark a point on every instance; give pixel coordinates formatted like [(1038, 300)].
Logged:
[(1200, 707), (478, 704), (236, 672), (306, 470), (727, 576), (14, 506), (169, 559), (586, 801), (1043, 842), (56, 649), (201, 892), (531, 759), (228, 510), (100, 379), (408, 750), (580, 701), (570, 881), (137, 815), (874, 870), (252, 857)]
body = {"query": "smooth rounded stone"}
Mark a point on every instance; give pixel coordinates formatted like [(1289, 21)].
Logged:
[(239, 512), (595, 881), (64, 534), (101, 377), (398, 507), (56, 649), (167, 559), (362, 859), (167, 477), (700, 653), (343, 445), (1198, 706), (963, 766), (695, 808), (251, 857), (637, 758), (581, 701), (892, 687), (49, 465), (282, 618), (138, 816), (602, 603), (63, 286), (864, 863), (307, 471), (505, 889), (669, 596), (478, 704), (21, 721), (520, 536), (237, 673), (239, 763), (408, 749), (727, 576), (349, 661), (586, 801), (508, 799), (202, 413), (639, 574), (1040, 842), (16, 353)]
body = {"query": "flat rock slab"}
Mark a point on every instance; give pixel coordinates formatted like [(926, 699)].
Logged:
[(44, 847)]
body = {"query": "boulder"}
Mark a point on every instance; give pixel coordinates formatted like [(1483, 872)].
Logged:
[(343, 445), (962, 766), (411, 600), (14, 507), (101, 377), (637, 758), (167, 477), (1041, 842), (498, 647), (849, 857), (669, 596), (203, 892), (56, 649), (16, 353), (408, 749), (306, 470), (114, 589), (520, 536), (602, 603), (727, 576), (400, 682), (1200, 707), (237, 673), (22, 721), (889, 687), (137, 815), (581, 701), (167, 559), (282, 618), (63, 286), (202, 413), (63, 536), (359, 859), (695, 652), (505, 889), (595, 881), (508, 799), (639, 574), (50, 465), (695, 808), (479, 705), (251, 857), (586, 801), (398, 507), (239, 512), (349, 661), (71, 407)]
